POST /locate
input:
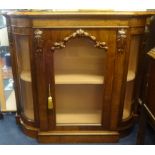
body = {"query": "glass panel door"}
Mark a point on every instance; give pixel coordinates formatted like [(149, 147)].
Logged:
[(79, 83)]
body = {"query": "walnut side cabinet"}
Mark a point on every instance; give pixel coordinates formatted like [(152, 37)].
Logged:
[(75, 73)]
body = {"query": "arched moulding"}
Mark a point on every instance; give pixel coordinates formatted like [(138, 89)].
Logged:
[(79, 33)]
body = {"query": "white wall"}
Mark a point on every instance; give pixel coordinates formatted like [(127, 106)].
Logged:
[(79, 4), (3, 37)]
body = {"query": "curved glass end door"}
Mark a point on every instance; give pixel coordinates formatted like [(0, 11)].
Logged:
[(23, 62), (132, 69)]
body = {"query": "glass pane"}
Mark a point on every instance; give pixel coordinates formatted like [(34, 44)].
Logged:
[(79, 78), (131, 76), (23, 59)]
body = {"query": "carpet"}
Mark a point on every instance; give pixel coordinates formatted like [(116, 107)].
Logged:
[(11, 134)]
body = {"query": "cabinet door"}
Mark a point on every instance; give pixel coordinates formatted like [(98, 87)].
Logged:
[(79, 76), (24, 73)]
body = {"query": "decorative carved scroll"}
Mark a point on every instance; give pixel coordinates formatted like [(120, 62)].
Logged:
[(79, 33), (121, 40), (38, 41)]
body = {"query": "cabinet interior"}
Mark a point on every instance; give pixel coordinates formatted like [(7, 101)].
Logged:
[(79, 78), (79, 66), (79, 70)]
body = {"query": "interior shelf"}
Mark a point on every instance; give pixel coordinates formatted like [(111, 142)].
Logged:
[(126, 113), (130, 76), (76, 78), (91, 118), (79, 79), (85, 78), (25, 76)]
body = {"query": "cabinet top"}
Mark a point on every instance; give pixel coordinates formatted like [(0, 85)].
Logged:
[(79, 12)]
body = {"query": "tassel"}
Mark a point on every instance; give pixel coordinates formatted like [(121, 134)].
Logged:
[(50, 100)]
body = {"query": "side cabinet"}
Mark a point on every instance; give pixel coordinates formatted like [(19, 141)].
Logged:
[(149, 88), (75, 74)]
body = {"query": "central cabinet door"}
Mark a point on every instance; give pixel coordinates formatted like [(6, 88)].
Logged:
[(81, 75)]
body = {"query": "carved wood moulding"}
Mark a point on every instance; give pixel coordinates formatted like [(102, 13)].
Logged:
[(38, 41), (121, 40), (79, 33)]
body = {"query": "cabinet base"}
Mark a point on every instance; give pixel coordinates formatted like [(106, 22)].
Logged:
[(69, 136), (78, 137), (28, 130), (126, 126), (73, 136)]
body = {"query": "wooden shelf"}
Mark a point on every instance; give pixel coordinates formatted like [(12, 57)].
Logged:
[(85, 78), (78, 79), (91, 118), (25, 76), (126, 113), (130, 76)]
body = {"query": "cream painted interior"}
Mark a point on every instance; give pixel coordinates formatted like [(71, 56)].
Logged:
[(79, 104), (77, 64), (80, 57)]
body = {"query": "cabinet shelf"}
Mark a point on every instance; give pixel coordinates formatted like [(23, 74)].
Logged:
[(79, 79), (130, 76), (76, 78), (25, 76), (85, 78), (126, 113), (91, 118)]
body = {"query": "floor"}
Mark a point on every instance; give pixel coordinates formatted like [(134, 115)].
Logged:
[(11, 134)]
